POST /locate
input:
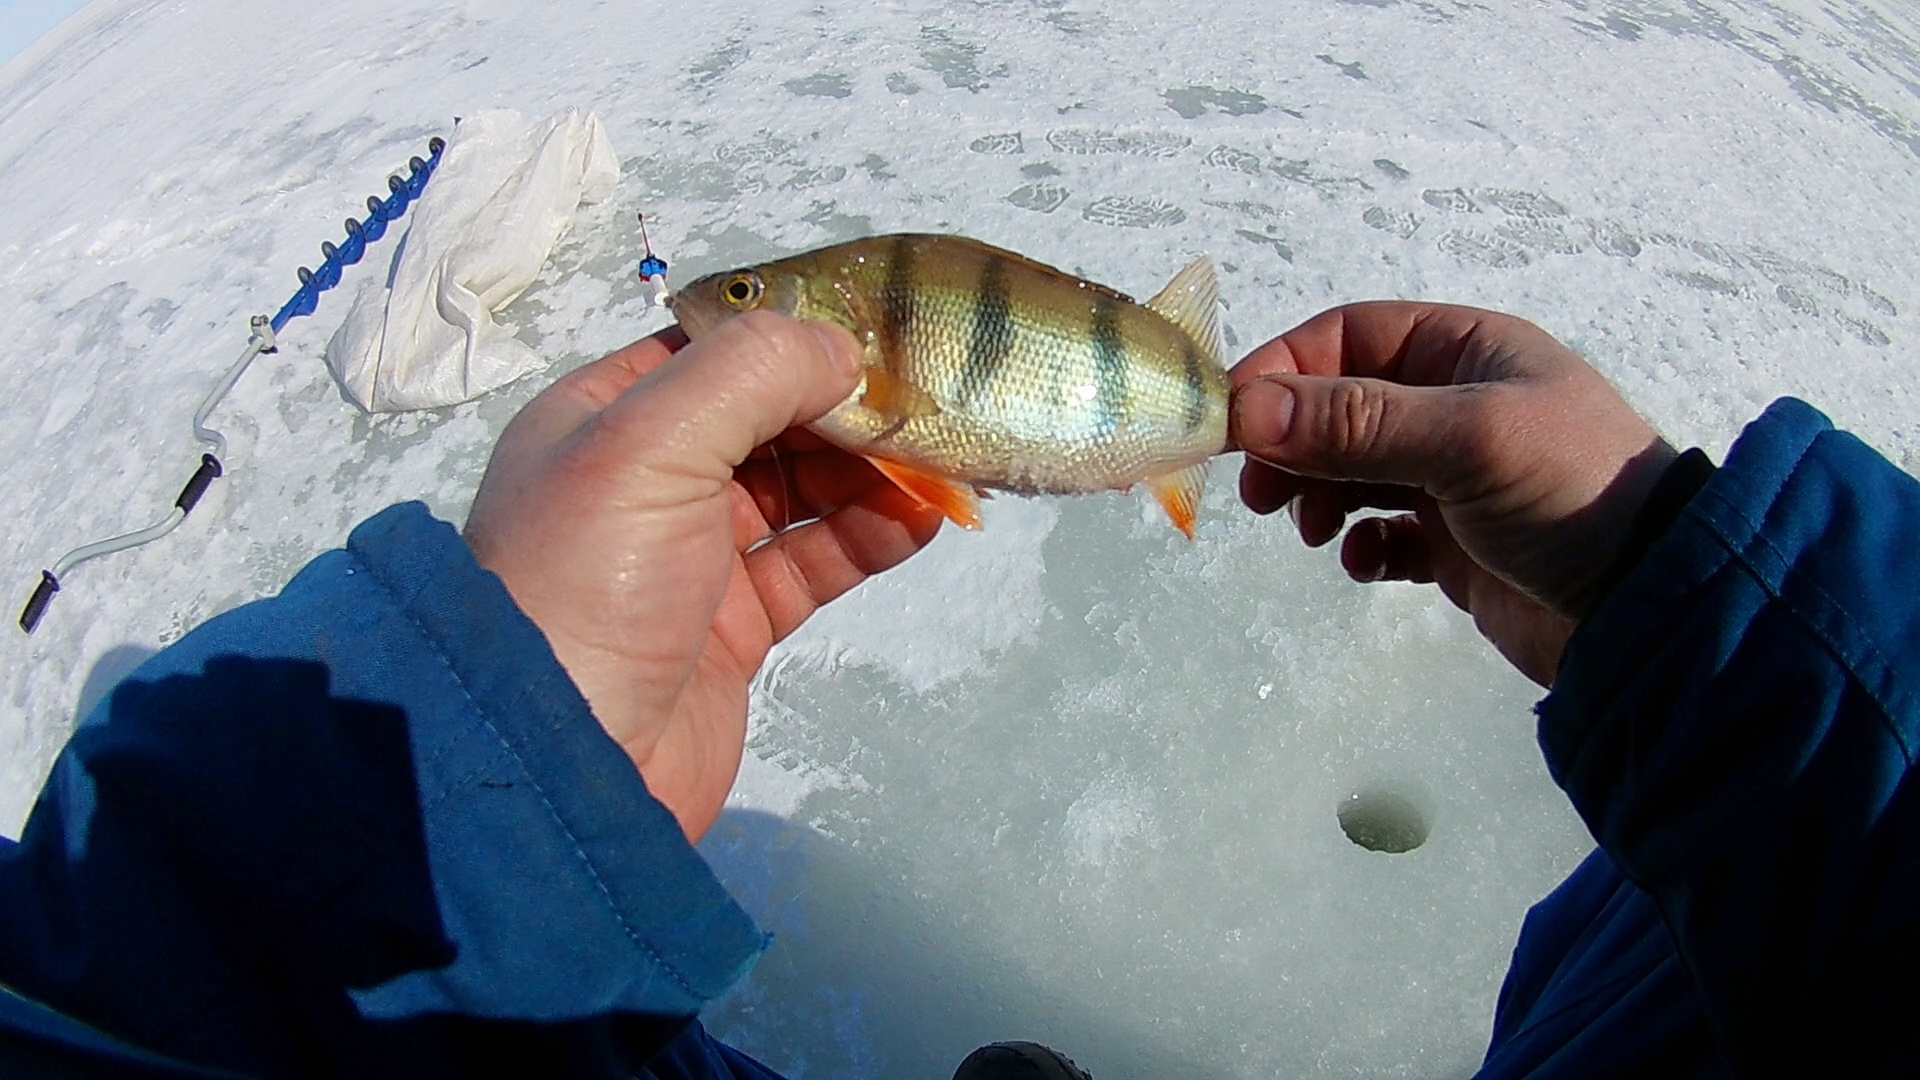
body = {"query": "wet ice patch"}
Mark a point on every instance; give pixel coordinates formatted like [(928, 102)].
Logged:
[(1393, 169), (827, 84), (1351, 69), (956, 60), (1193, 102)]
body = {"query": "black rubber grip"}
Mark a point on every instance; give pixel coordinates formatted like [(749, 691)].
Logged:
[(203, 479), (37, 605)]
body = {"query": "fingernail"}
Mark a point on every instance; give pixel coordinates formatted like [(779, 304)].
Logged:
[(1376, 568), (1263, 414), (839, 345)]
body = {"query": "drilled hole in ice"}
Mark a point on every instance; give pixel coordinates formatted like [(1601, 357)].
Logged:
[(1383, 820)]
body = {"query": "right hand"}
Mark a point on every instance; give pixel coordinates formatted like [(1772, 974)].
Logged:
[(628, 513), (1522, 469)]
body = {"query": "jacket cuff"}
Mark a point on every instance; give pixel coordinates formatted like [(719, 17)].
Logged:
[(1638, 620), (521, 762)]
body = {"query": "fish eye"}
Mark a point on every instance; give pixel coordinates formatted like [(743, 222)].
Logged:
[(743, 290)]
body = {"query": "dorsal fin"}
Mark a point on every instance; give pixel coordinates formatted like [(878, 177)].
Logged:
[(1191, 301)]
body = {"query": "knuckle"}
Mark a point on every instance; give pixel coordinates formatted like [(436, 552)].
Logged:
[(1356, 415), (1491, 422)]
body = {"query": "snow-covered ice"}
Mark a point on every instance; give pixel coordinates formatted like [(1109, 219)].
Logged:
[(1071, 778)]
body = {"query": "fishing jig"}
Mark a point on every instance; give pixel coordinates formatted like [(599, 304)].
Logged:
[(653, 268)]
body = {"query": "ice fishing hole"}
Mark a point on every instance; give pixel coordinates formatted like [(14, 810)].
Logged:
[(1384, 820)]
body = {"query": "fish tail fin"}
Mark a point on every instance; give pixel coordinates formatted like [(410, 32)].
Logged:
[(956, 500), (1191, 301), (1178, 493)]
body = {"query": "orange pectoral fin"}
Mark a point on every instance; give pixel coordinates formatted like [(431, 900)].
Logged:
[(954, 499), (1179, 495), (896, 398)]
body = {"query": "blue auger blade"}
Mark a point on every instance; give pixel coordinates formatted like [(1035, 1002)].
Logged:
[(401, 193), (304, 302), (417, 176), (375, 226), (327, 276), (355, 248)]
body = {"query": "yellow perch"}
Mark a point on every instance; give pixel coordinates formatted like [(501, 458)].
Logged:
[(986, 369)]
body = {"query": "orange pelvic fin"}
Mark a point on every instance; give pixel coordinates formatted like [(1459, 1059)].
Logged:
[(950, 497), (1179, 495)]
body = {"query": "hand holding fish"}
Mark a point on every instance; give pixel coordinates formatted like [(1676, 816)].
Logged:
[(1519, 467), (634, 512)]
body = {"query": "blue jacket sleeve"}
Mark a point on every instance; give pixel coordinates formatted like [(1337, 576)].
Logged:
[(1737, 724), (368, 827)]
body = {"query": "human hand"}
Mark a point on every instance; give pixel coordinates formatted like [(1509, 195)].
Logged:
[(637, 515), (1519, 467)]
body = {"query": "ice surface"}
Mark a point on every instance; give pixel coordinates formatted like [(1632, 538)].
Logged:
[(1071, 778)]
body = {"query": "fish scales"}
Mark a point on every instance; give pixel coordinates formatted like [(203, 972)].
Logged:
[(991, 370), (1033, 371)]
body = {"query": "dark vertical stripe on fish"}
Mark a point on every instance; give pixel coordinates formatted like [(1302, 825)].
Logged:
[(897, 307), (1196, 387), (1110, 366), (992, 340)]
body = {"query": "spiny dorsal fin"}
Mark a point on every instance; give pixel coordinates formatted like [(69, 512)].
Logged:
[(1191, 301)]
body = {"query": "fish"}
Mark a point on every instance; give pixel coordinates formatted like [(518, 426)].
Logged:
[(988, 371)]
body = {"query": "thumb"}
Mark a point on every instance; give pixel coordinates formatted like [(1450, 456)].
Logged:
[(742, 384), (1367, 430)]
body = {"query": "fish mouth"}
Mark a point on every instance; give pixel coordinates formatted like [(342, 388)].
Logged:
[(694, 317)]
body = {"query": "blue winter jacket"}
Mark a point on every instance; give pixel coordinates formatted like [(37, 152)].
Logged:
[(366, 828), (1736, 724), (370, 828)]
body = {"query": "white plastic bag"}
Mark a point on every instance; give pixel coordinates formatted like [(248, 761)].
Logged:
[(505, 192)]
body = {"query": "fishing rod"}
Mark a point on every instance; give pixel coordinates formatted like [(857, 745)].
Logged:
[(262, 339)]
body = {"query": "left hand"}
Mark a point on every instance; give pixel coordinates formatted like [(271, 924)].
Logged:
[(638, 511), (1523, 468)]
